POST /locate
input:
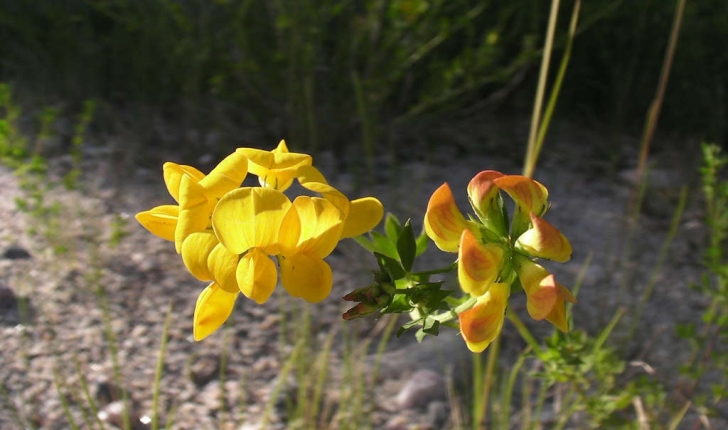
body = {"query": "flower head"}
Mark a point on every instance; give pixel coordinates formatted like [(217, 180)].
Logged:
[(234, 236)]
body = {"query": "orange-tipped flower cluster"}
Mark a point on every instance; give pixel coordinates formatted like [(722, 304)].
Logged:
[(494, 252)]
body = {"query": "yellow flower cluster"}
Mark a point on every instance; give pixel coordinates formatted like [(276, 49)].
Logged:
[(230, 235), (493, 255)]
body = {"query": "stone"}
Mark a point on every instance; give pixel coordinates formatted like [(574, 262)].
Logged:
[(423, 387), (16, 253)]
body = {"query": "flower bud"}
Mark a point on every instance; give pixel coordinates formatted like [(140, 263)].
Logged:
[(543, 240)]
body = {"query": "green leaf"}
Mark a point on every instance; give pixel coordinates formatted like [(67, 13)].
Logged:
[(366, 243), (431, 326), (407, 247), (400, 304), (390, 266), (392, 227), (408, 326), (384, 245), (422, 241)]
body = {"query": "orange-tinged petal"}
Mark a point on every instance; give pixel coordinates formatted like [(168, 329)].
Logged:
[(364, 215), (478, 264), (213, 308), (482, 323), (557, 316), (540, 293), (307, 277), (250, 217), (160, 221), (545, 297), (196, 249), (257, 276), (223, 265), (529, 194), (543, 240), (482, 190), (444, 223), (173, 174), (226, 176)]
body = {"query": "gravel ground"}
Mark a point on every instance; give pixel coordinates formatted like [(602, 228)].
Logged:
[(54, 306)]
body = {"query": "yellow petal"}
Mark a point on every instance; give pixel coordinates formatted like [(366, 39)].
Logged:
[(307, 277), (543, 240), (444, 223), (478, 264), (364, 215), (290, 232), (194, 211), (257, 276), (320, 228), (482, 323), (213, 308), (277, 168), (196, 249), (160, 221), (222, 265), (331, 194), (307, 173), (173, 174), (250, 217), (226, 176)]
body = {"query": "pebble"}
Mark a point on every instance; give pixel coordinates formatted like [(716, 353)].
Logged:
[(16, 253), (204, 370), (423, 387)]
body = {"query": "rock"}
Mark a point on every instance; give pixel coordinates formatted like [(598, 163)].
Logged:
[(16, 253), (423, 387), (204, 370), (14, 309), (113, 413), (8, 301), (107, 392)]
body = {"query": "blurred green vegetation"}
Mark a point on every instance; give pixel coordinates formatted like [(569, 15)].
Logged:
[(352, 75)]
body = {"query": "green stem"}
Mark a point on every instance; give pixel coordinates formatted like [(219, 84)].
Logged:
[(453, 313), (524, 332), (530, 164), (446, 269)]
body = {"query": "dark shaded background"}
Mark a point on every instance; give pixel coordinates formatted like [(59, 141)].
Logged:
[(355, 77)]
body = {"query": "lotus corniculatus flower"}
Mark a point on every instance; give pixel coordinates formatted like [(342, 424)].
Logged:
[(493, 252), (239, 238)]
